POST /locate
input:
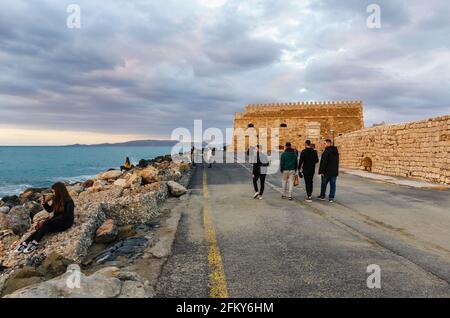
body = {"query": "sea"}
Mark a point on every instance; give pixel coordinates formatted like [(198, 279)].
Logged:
[(25, 167)]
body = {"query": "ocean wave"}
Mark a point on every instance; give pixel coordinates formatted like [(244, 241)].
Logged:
[(13, 189), (73, 179)]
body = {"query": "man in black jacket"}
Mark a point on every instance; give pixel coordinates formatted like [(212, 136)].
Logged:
[(329, 170), (260, 163), (307, 165)]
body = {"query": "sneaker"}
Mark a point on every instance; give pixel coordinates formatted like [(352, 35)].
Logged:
[(32, 246), (283, 196), (260, 197), (308, 199), (290, 198), (321, 198), (256, 195), (21, 247), (331, 200)]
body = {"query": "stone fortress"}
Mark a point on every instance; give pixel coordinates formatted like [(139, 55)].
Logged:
[(419, 150), (297, 122)]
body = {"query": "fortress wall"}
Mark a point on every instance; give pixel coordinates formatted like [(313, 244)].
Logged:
[(418, 149), (341, 117)]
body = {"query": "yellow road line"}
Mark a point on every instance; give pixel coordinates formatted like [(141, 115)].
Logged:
[(217, 281)]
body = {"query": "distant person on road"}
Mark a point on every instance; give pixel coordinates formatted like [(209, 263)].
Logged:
[(193, 156), (62, 219), (260, 164), (209, 157), (127, 165), (288, 167), (329, 170)]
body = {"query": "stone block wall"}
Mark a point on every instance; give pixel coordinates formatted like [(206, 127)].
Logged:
[(419, 150), (297, 122)]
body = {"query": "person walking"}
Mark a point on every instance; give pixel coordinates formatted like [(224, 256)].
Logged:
[(260, 164), (329, 170), (307, 167), (288, 168)]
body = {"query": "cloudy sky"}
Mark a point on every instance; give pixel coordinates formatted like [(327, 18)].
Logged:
[(138, 69)]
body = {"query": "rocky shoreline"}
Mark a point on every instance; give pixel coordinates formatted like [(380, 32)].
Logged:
[(116, 217)]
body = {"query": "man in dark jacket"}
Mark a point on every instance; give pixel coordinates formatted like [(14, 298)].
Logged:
[(260, 163), (307, 165), (329, 170), (288, 168)]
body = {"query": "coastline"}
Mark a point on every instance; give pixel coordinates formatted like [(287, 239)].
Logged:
[(109, 209)]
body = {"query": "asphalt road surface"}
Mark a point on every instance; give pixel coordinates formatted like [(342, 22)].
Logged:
[(230, 245)]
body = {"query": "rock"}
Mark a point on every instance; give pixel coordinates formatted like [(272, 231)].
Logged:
[(32, 207), (96, 285), (3, 222), (134, 181), (11, 201), (41, 216), (121, 183), (109, 175), (135, 289), (129, 249), (126, 231), (169, 175), (54, 265), (18, 220), (107, 232), (4, 209), (87, 184), (176, 189), (149, 174), (21, 278), (31, 194), (132, 209), (99, 185), (75, 190)]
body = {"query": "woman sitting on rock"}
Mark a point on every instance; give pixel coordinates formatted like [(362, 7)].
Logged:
[(62, 219), (127, 166)]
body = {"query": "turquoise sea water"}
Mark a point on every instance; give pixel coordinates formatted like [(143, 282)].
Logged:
[(24, 167)]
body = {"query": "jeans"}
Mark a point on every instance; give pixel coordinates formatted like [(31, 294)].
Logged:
[(262, 178), (323, 188), (287, 181), (54, 225), (308, 183)]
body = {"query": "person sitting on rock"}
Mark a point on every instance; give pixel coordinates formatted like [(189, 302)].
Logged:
[(127, 165), (62, 219)]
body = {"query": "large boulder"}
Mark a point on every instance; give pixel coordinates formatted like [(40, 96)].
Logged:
[(18, 220), (32, 207), (41, 216), (109, 175), (4, 209), (31, 194), (21, 278), (107, 232), (149, 174), (132, 209), (121, 182), (11, 201), (54, 265), (176, 189)]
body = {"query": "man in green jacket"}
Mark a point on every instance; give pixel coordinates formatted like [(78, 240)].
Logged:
[(288, 167)]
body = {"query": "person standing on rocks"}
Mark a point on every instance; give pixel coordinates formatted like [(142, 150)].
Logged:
[(288, 167), (62, 219), (307, 167), (329, 170), (260, 163)]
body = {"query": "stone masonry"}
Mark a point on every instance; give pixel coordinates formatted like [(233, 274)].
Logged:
[(419, 150), (296, 122)]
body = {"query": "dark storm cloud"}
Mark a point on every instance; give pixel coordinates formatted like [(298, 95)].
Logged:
[(146, 67)]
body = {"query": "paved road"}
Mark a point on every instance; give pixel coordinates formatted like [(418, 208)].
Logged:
[(229, 244)]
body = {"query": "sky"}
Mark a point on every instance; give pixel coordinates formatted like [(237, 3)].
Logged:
[(139, 69)]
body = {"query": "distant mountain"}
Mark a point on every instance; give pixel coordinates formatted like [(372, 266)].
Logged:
[(133, 143)]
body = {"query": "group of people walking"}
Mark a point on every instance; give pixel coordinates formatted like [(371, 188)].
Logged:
[(294, 167)]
